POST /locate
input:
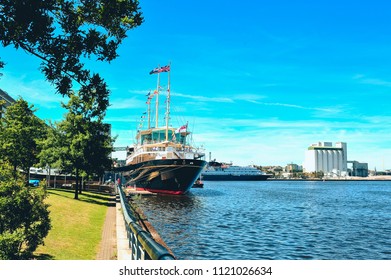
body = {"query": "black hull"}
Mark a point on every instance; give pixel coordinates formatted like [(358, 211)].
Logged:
[(167, 176), (206, 177)]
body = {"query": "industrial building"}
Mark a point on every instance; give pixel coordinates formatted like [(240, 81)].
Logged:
[(326, 158), (359, 169)]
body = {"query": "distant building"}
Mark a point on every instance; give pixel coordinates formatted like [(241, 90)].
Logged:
[(119, 156), (292, 167), (358, 169), (326, 158), (8, 100)]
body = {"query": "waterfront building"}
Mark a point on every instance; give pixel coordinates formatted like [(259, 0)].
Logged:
[(8, 100), (326, 158)]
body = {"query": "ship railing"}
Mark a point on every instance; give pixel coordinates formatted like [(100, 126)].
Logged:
[(141, 242)]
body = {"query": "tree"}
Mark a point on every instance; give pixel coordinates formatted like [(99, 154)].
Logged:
[(88, 142), (20, 131), (99, 148), (24, 217), (63, 32), (76, 140), (1, 66), (52, 148)]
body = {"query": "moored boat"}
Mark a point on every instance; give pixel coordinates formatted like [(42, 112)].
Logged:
[(217, 171), (162, 160)]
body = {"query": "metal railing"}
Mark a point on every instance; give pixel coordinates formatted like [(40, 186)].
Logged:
[(141, 242)]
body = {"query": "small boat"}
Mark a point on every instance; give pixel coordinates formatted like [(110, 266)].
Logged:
[(162, 160), (198, 184)]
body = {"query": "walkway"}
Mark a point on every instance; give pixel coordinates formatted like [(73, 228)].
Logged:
[(114, 244)]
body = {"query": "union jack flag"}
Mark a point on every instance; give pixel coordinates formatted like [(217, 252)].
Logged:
[(160, 69)]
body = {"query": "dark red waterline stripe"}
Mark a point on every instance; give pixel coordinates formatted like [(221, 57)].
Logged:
[(161, 191)]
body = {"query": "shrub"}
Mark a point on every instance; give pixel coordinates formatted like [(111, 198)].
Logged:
[(24, 216)]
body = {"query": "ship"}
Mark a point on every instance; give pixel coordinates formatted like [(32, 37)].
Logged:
[(162, 159), (217, 171)]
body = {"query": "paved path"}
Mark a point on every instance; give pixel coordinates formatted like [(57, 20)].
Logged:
[(114, 244)]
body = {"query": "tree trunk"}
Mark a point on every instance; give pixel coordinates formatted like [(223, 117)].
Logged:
[(14, 173), (48, 177), (81, 185), (77, 185)]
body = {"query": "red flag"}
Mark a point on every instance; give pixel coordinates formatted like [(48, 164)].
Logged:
[(183, 128)]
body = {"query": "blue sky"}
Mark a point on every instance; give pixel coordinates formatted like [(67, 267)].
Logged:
[(257, 81)]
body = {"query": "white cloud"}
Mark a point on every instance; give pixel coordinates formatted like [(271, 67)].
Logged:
[(277, 142), (371, 81), (204, 98), (272, 141), (126, 103), (37, 91)]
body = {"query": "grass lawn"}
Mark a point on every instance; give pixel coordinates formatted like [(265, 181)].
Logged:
[(76, 225)]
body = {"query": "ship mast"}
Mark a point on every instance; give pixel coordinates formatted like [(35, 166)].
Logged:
[(149, 109), (157, 100), (157, 71), (168, 104)]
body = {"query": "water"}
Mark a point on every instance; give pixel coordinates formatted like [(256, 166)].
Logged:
[(276, 220)]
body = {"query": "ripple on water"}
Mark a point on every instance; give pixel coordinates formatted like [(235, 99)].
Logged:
[(276, 220)]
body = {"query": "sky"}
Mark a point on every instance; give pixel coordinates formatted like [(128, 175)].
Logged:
[(258, 82)]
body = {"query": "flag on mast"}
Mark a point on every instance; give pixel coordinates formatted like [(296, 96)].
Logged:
[(183, 128), (160, 69), (154, 71), (165, 68)]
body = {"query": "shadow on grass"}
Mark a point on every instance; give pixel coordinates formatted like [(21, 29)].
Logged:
[(87, 196), (43, 257)]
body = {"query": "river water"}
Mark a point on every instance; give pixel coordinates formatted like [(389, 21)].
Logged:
[(278, 220)]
